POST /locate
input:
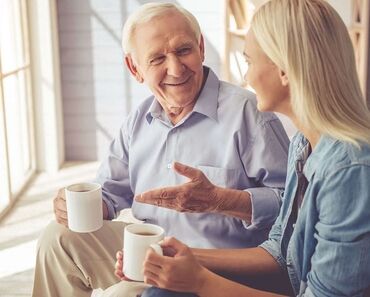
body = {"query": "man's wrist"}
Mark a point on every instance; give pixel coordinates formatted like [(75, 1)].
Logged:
[(236, 203)]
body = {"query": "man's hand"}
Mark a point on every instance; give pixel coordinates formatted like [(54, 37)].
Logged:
[(60, 208), (197, 195)]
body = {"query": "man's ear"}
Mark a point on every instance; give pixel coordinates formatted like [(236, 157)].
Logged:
[(133, 68), (201, 47), (283, 78)]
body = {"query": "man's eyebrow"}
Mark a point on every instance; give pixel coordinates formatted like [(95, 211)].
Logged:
[(155, 54), (245, 55), (185, 44)]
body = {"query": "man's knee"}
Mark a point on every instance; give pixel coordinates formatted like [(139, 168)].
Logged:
[(57, 237), (52, 237)]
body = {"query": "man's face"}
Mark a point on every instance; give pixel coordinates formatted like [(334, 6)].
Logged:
[(168, 58)]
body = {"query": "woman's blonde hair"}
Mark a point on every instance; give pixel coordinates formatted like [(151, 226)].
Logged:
[(308, 40), (149, 11)]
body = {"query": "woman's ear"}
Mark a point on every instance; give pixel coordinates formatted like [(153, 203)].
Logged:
[(133, 68), (283, 78)]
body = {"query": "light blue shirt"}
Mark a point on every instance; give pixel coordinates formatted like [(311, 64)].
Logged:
[(224, 136), (327, 251)]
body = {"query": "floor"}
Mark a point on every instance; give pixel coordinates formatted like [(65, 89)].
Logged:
[(20, 229)]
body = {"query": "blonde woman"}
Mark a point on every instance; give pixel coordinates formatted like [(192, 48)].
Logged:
[(301, 64)]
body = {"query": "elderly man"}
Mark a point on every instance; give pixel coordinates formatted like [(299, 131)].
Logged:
[(226, 196)]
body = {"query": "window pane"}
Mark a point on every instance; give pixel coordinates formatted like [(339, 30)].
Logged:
[(17, 115), (11, 37), (4, 179)]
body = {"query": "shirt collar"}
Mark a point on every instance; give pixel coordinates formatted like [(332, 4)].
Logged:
[(318, 155), (206, 104)]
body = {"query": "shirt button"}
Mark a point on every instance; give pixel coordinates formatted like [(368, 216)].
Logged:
[(169, 165)]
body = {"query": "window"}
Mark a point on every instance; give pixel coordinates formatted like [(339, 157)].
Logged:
[(17, 157)]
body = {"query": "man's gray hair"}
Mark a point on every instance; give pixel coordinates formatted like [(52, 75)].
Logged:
[(146, 13)]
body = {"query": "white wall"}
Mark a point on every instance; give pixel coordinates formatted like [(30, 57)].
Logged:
[(344, 8), (97, 90)]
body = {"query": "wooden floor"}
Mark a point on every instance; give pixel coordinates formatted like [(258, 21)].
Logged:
[(20, 229)]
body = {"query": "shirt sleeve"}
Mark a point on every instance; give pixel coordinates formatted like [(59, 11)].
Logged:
[(340, 264), (272, 245), (113, 175), (265, 163)]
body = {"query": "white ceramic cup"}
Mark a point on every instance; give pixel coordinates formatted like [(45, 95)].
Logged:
[(136, 241), (84, 207)]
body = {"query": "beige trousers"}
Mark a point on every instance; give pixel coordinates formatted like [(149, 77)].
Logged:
[(72, 264)]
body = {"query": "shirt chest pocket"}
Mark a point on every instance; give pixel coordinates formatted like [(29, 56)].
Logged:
[(227, 178)]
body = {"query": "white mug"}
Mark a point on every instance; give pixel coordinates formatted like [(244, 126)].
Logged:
[(136, 241), (84, 207)]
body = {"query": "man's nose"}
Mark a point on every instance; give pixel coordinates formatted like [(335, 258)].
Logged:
[(175, 67)]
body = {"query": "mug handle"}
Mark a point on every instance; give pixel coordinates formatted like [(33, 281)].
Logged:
[(157, 248)]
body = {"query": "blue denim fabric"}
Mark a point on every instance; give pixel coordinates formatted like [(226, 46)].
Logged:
[(326, 252), (156, 292)]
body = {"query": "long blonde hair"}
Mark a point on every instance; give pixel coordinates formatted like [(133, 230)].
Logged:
[(308, 40)]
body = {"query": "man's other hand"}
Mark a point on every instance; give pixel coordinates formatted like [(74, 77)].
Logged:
[(60, 208), (197, 195)]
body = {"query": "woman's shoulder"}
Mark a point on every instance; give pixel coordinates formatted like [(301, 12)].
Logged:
[(333, 156)]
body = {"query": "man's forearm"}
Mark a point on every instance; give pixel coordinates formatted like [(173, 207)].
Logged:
[(235, 203), (251, 261)]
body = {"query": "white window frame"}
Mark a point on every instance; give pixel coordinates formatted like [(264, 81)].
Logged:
[(10, 195)]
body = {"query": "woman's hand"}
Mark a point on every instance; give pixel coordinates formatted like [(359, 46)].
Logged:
[(118, 267), (178, 270)]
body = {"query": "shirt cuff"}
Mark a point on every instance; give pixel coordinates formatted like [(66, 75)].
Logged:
[(265, 207), (308, 293), (273, 248)]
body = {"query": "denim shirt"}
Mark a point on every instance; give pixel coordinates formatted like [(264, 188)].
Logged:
[(326, 252)]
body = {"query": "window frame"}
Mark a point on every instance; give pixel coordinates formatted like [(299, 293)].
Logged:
[(11, 194)]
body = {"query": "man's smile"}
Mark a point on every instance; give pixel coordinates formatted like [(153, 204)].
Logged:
[(178, 83)]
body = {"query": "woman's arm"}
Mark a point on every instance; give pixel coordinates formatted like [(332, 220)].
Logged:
[(181, 271), (251, 267), (248, 262), (213, 285)]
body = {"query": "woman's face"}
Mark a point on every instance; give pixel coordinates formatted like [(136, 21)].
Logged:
[(269, 82)]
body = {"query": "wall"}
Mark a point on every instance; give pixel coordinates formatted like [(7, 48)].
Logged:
[(97, 90), (344, 8)]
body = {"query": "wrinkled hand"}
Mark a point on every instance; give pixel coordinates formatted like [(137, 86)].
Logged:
[(60, 208), (197, 195), (118, 267), (178, 271)]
